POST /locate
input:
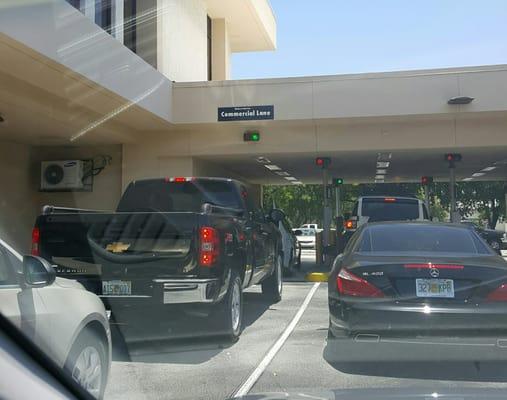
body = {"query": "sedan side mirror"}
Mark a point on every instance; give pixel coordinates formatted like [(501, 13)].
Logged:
[(37, 272), (298, 232), (276, 215)]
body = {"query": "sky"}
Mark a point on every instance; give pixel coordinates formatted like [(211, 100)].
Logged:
[(327, 37)]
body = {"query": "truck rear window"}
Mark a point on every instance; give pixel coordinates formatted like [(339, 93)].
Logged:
[(146, 196), (390, 210)]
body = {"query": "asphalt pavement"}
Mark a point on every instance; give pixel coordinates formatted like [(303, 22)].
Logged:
[(282, 348)]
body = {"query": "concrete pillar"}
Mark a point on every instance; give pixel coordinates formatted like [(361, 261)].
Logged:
[(117, 29), (220, 51), (327, 207), (88, 9)]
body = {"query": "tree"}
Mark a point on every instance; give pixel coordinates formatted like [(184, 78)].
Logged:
[(301, 203), (485, 198)]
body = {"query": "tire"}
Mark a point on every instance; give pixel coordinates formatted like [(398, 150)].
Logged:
[(297, 264), (289, 270), (495, 245), (89, 352), (231, 309), (272, 286)]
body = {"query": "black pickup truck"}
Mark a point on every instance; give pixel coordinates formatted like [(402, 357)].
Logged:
[(174, 245)]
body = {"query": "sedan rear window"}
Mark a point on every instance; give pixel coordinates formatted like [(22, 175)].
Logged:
[(420, 238), (391, 209)]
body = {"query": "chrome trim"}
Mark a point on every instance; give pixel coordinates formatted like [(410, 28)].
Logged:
[(179, 291)]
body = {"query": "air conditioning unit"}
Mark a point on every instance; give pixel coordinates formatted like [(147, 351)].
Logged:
[(61, 175)]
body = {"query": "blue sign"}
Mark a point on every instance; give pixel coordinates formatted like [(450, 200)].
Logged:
[(246, 113)]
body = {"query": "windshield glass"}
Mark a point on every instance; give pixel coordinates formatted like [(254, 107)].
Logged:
[(255, 199), (307, 232), (184, 197), (419, 238), (397, 210)]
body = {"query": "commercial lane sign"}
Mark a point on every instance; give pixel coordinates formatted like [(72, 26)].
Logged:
[(246, 113)]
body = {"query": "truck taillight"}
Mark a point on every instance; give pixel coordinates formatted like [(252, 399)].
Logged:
[(349, 284), (179, 179), (209, 246), (35, 250)]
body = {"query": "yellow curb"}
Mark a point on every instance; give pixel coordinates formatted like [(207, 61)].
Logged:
[(317, 277)]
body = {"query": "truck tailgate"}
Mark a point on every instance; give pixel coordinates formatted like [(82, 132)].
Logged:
[(128, 247)]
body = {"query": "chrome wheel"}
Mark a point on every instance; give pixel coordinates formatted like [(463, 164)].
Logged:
[(236, 307), (87, 370)]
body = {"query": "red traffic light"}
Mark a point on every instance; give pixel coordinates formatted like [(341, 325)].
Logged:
[(426, 180), (322, 161), (453, 157)]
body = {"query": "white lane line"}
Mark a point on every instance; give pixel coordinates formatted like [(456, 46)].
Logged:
[(256, 374)]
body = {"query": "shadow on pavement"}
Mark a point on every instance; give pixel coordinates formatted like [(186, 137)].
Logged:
[(491, 371), (190, 340)]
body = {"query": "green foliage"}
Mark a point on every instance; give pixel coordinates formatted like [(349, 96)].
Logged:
[(303, 203), (485, 198)]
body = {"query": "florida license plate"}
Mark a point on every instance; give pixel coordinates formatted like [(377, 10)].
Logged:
[(116, 288), (434, 288)]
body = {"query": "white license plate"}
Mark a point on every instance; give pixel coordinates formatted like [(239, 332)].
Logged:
[(117, 288), (434, 288)]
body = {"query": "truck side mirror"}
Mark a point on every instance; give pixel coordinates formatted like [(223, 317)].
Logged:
[(298, 232), (37, 272)]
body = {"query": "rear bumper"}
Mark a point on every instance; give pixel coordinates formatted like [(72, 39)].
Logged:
[(182, 291), (401, 317), (371, 346), (309, 245), (161, 291)]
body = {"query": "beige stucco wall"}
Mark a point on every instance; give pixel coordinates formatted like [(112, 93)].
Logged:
[(18, 197), (181, 44)]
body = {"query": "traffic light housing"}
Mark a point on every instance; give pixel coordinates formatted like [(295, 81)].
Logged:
[(338, 181), (453, 157), (322, 162), (426, 180), (251, 136)]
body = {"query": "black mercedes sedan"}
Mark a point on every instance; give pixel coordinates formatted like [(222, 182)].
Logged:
[(417, 291)]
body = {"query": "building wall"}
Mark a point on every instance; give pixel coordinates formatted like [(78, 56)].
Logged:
[(181, 46), (18, 197)]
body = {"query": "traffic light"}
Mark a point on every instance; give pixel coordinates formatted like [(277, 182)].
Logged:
[(252, 136), (338, 181), (322, 162), (426, 180), (453, 157)]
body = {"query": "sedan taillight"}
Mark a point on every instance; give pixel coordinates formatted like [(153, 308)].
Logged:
[(209, 250), (349, 284), (499, 294)]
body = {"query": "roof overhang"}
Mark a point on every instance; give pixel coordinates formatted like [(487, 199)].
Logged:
[(251, 23)]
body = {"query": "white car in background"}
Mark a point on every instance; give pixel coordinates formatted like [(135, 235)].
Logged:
[(305, 237), (65, 321), (309, 226)]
